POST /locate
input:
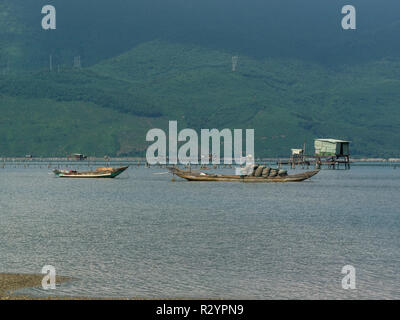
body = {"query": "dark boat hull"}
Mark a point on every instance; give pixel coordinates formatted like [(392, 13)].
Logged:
[(191, 176)]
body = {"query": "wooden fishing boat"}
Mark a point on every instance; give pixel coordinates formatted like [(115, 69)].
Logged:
[(98, 173), (196, 176)]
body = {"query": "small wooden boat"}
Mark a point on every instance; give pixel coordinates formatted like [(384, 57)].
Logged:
[(99, 173), (196, 176)]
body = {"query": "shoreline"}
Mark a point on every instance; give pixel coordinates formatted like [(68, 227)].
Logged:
[(11, 282)]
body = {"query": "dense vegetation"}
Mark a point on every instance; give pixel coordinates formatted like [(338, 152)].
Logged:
[(291, 87)]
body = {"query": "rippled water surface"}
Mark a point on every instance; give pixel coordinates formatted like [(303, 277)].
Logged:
[(142, 235)]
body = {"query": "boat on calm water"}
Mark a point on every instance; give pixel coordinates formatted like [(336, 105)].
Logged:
[(98, 173), (200, 176)]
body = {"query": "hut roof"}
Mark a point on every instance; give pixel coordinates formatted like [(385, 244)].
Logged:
[(333, 140)]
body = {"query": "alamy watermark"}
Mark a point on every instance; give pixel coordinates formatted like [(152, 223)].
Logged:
[(49, 280), (49, 20), (188, 153), (349, 280), (348, 21)]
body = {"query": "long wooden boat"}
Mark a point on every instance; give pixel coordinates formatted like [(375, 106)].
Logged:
[(196, 176), (99, 173)]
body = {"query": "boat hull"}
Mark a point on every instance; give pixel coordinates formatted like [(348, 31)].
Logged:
[(91, 174), (190, 176)]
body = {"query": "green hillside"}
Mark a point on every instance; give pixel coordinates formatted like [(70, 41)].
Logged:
[(107, 108)]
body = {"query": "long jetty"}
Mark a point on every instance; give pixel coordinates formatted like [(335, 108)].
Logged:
[(68, 162)]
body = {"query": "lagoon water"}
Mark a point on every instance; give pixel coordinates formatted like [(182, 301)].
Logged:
[(141, 235)]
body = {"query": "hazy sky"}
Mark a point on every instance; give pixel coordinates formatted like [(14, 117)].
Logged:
[(309, 29)]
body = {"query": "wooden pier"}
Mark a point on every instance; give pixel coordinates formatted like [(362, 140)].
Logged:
[(319, 162), (304, 162)]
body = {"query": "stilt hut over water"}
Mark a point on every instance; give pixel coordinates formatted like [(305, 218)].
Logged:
[(337, 150), (78, 156), (332, 147), (297, 157)]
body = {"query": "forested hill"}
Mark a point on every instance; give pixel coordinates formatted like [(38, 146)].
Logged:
[(108, 108), (299, 75)]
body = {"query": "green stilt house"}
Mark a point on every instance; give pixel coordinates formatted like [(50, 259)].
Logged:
[(338, 151)]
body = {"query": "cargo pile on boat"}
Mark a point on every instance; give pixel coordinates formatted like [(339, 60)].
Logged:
[(262, 171)]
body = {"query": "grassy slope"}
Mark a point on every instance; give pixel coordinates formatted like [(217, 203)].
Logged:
[(107, 109), (46, 127), (287, 101)]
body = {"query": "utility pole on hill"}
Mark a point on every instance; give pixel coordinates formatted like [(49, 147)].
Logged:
[(77, 62), (234, 63)]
